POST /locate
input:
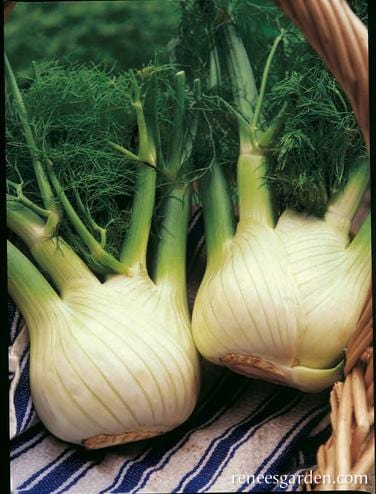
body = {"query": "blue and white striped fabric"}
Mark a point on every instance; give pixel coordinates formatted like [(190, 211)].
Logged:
[(240, 427)]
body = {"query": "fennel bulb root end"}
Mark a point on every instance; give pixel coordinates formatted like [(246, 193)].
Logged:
[(299, 377), (107, 440)]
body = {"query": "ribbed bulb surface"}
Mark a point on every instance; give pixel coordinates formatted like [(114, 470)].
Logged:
[(113, 363), (287, 297)]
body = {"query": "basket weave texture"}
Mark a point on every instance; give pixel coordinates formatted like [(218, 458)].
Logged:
[(341, 40)]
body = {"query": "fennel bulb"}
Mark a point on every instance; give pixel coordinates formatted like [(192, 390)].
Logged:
[(111, 362), (281, 302), (112, 356), (281, 296)]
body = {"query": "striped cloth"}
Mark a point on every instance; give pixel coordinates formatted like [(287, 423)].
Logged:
[(240, 427)]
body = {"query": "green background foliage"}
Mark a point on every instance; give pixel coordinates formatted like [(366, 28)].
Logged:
[(122, 33)]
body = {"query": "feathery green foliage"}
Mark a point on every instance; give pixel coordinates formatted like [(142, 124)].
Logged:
[(76, 112), (316, 146), (319, 143)]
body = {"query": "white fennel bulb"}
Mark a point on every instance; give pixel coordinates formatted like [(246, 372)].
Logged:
[(112, 357), (281, 296), (110, 362), (281, 303)]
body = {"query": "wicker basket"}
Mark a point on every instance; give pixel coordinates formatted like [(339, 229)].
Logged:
[(341, 40)]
